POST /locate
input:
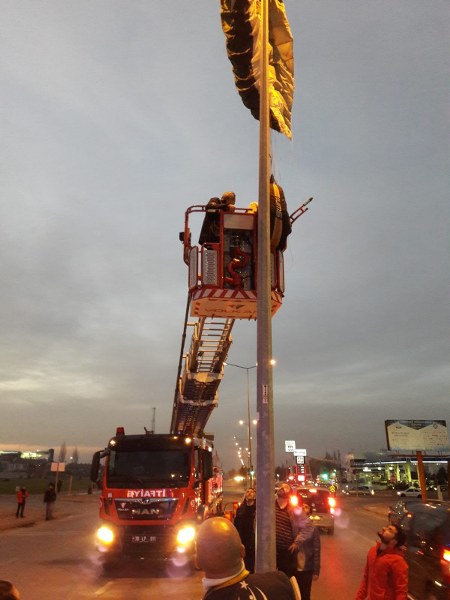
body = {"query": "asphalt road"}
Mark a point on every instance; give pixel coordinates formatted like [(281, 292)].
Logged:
[(57, 559)]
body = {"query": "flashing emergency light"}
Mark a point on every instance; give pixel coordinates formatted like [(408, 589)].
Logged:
[(120, 430)]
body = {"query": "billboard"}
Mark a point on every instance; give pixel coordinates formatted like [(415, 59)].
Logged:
[(412, 436)]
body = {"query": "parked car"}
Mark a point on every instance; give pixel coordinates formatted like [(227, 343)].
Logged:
[(411, 492), (400, 509), (427, 528), (360, 490), (405, 505), (323, 505)]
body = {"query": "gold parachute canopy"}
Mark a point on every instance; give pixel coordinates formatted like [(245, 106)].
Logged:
[(241, 23)]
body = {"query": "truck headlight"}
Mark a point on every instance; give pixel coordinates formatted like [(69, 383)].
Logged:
[(186, 535), (105, 535)]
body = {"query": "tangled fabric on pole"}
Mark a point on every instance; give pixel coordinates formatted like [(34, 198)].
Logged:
[(241, 20)]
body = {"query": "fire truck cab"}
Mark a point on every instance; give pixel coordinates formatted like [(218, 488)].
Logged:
[(155, 490)]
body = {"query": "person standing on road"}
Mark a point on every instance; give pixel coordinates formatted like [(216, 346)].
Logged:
[(386, 572), (49, 501), (22, 496), (244, 522), (220, 553), (308, 560), (293, 528)]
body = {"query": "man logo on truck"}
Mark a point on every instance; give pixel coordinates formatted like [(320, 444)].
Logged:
[(146, 511)]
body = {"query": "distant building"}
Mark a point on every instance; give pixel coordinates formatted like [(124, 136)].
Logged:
[(16, 463), (385, 467)]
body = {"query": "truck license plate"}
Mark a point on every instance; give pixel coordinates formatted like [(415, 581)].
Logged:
[(143, 539)]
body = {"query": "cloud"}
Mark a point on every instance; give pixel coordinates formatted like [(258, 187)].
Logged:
[(115, 121)]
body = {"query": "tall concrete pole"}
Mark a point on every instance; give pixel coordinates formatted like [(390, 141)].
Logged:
[(249, 430), (265, 464), (250, 456)]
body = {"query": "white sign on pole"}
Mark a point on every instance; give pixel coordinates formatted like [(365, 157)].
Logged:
[(289, 446), (300, 452), (300, 460)]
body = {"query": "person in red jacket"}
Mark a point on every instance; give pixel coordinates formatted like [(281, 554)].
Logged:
[(22, 496), (386, 571)]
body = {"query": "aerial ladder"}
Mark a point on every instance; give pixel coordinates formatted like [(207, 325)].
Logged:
[(222, 288), (156, 488)]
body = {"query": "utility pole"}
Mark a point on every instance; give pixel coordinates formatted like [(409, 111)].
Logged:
[(265, 513), (250, 471), (250, 458)]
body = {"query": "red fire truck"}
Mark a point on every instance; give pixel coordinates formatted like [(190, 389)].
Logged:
[(155, 490)]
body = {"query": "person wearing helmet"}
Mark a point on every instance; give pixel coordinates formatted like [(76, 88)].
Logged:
[(210, 232), (219, 553), (8, 591)]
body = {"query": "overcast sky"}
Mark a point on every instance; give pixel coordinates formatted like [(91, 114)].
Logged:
[(115, 116)]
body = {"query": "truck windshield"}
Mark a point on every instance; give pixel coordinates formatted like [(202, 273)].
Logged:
[(165, 468)]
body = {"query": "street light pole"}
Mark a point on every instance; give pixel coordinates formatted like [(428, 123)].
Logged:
[(250, 460), (250, 456)]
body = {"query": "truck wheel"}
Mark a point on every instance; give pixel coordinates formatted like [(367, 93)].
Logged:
[(201, 513), (110, 564)]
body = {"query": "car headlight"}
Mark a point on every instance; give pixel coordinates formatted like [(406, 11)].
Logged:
[(105, 535), (186, 535)]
